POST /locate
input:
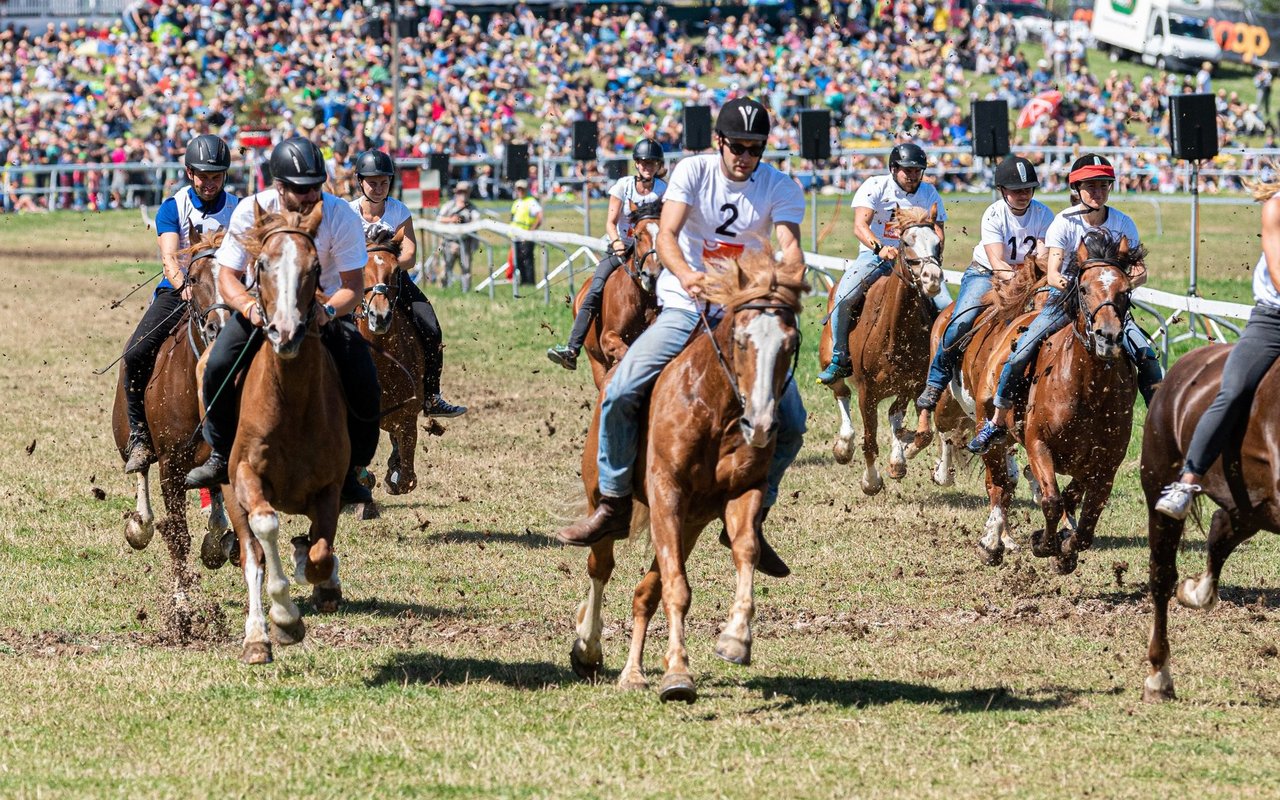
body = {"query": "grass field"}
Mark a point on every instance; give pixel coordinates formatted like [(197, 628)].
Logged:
[(891, 664)]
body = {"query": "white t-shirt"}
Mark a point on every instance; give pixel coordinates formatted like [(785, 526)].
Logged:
[(883, 196), (1018, 234), (394, 214), (1068, 229), (1264, 291), (725, 217), (625, 191), (339, 242)]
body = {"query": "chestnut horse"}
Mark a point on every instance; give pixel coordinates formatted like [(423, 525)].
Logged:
[(397, 353), (1243, 483), (629, 303), (291, 449), (705, 455), (173, 417), (890, 346), (1079, 412)]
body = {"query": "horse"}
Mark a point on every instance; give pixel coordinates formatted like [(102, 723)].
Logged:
[(629, 303), (1079, 412), (705, 452), (889, 346), (1243, 483), (173, 417), (397, 353), (291, 448)]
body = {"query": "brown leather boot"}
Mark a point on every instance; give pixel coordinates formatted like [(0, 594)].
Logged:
[(771, 563), (611, 519)]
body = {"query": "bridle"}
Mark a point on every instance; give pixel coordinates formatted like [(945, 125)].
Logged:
[(635, 268), (380, 289), (313, 272), (914, 265), (201, 314), (1084, 319), (770, 309)]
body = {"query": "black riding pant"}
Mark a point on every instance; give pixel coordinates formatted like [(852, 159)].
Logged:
[(423, 316), (232, 353), (1228, 415), (161, 317), (591, 303)]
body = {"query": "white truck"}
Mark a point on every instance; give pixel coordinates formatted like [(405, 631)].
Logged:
[(1166, 34)]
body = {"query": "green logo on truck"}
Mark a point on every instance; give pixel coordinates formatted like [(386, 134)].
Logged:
[(1123, 6)]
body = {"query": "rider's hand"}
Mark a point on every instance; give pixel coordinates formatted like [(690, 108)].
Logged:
[(255, 316), (1059, 281), (692, 282), (619, 248), (889, 253), (185, 291)]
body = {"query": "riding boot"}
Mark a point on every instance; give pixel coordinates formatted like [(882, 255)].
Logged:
[(139, 452), (611, 519), (771, 563), (208, 475)]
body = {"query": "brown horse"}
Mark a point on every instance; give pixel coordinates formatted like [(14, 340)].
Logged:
[(890, 347), (291, 449), (1243, 483), (705, 455), (397, 353), (173, 416), (629, 303), (1079, 412)]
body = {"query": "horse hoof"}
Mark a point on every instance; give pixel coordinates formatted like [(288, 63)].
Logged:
[(285, 635), (734, 651), (634, 685), (137, 533), (1040, 546), (393, 485), (211, 553), (897, 471), (872, 489), (256, 653), (1163, 695), (991, 557), (843, 451), (1009, 543), (231, 547), (943, 476), (588, 672), (677, 686), (325, 599), (364, 511), (1065, 565)]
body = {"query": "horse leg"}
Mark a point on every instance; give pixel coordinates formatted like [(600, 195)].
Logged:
[(1202, 591), (1163, 536), (897, 447), (843, 448), (219, 540), (587, 656), (265, 524), (392, 478), (669, 551), (740, 514), (140, 524), (643, 606), (1045, 543), (321, 570), (178, 540), (872, 483), (407, 444), (257, 645), (944, 471), (995, 533)]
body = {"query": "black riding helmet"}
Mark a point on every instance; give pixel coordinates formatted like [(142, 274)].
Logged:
[(298, 161), (908, 155), (744, 119), (375, 164), (207, 153), (647, 150), (1016, 172)]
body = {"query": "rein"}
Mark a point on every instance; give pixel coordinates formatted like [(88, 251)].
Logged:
[(724, 364), (1083, 318)]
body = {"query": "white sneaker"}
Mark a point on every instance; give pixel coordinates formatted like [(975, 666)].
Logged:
[(1176, 499)]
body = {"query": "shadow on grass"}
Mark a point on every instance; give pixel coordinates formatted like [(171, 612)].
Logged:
[(527, 538), (394, 608), (433, 669), (1189, 544), (860, 693)]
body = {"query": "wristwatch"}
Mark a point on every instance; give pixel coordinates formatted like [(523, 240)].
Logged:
[(878, 247), (330, 310)]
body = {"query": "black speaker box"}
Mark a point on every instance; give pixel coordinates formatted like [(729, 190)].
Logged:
[(516, 163), (440, 162), (616, 168), (815, 135), (990, 125), (697, 127), (585, 135), (1193, 126)]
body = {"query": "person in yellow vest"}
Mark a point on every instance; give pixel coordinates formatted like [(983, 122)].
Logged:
[(526, 214)]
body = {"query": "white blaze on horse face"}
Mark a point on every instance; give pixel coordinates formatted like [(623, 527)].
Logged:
[(766, 334), (924, 243), (288, 270), (1106, 278)]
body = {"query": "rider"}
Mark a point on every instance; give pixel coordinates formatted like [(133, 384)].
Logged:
[(874, 204), (298, 172), (206, 206), (1012, 228), (374, 173), (646, 187), (1090, 179), (1247, 364), (716, 205)]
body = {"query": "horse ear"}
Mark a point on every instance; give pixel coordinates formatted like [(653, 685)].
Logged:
[(399, 237), (311, 221), (258, 212), (933, 213), (1082, 252), (1123, 249), (194, 234)]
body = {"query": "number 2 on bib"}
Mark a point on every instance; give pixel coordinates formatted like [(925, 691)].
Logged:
[(730, 212)]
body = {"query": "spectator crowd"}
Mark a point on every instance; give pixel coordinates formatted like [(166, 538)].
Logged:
[(134, 90)]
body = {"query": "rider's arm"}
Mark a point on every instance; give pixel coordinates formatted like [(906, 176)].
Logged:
[(169, 259), (611, 220), (788, 237), (674, 215), (235, 294), (995, 255), (1271, 238), (344, 300), (1053, 269), (863, 233), (408, 246)]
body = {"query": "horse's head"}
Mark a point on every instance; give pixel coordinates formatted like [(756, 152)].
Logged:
[(381, 279), (202, 276), (1102, 290), (286, 273), (762, 304), (645, 266), (921, 250)]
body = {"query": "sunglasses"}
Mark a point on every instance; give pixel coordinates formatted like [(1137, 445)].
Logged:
[(293, 188), (754, 150)]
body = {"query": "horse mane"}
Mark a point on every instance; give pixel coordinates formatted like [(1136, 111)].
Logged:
[(382, 236), (907, 216), (255, 237), (1011, 299), (1099, 246), (208, 241), (648, 210), (755, 275)]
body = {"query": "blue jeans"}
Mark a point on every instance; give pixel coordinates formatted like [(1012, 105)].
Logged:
[(854, 284), (975, 283), (628, 390), (1014, 379)]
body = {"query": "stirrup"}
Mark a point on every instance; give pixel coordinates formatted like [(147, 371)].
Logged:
[(140, 454)]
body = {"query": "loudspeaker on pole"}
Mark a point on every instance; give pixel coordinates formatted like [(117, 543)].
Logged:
[(1193, 126), (815, 135), (516, 162), (440, 163), (989, 122), (585, 135), (697, 128)]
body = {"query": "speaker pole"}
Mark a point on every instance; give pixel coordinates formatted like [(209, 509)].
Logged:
[(1194, 321), (813, 197), (586, 204)]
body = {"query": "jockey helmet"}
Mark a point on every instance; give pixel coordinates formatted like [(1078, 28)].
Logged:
[(298, 161), (207, 153), (1016, 172), (745, 119), (908, 155), (647, 150), (375, 164), (1090, 167)]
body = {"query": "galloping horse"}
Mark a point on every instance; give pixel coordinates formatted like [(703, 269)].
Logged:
[(1243, 482), (291, 449), (629, 303), (1079, 412), (397, 353), (173, 416), (890, 346), (705, 455)]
